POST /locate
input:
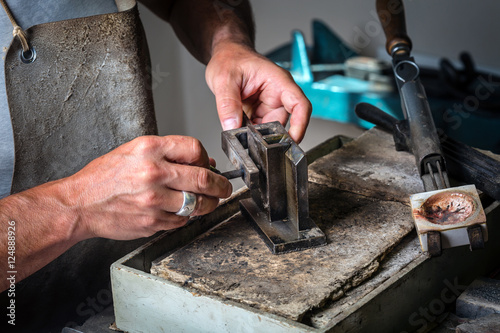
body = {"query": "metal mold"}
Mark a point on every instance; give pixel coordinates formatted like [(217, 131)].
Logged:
[(274, 168)]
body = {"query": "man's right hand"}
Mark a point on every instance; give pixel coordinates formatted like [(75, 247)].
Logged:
[(135, 190), (131, 192)]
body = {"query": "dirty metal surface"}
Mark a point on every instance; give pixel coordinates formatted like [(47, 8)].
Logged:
[(232, 262), (445, 218)]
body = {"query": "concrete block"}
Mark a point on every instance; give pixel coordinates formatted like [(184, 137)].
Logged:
[(480, 299)]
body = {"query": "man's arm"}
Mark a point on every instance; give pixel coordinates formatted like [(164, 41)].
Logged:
[(220, 34), (131, 192), (42, 225), (201, 25)]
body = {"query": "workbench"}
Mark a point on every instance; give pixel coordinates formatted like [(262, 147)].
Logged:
[(216, 274)]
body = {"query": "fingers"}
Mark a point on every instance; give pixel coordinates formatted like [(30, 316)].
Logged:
[(179, 163), (173, 173), (186, 150), (296, 103), (197, 180), (173, 148), (288, 101), (224, 78)]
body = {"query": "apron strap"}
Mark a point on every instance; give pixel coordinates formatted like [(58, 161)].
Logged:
[(18, 31)]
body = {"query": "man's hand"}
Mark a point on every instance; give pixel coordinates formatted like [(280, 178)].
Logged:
[(135, 190), (244, 81), (131, 192)]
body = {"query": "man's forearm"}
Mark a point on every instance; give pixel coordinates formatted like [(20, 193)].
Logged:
[(203, 25), (36, 227)]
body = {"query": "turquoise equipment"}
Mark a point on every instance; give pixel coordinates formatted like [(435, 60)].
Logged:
[(335, 78)]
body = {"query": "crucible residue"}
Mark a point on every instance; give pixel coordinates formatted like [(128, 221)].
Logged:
[(447, 208)]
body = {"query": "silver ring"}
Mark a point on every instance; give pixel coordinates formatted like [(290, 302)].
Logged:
[(188, 205)]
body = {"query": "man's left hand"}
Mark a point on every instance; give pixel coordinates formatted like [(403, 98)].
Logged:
[(244, 81)]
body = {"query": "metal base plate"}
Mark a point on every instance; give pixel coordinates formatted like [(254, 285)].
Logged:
[(281, 236)]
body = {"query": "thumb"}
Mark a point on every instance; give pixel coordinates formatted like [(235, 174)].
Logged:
[(229, 106)]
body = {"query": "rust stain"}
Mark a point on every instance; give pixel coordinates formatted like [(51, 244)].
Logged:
[(446, 208)]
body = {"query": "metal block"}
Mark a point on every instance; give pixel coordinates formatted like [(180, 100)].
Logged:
[(481, 298)]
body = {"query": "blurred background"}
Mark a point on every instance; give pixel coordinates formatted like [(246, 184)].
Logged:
[(185, 105)]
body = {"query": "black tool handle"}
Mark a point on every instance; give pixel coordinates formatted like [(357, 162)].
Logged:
[(392, 17), (375, 116)]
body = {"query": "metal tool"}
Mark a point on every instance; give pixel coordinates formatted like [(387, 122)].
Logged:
[(439, 213), (274, 168), (423, 141)]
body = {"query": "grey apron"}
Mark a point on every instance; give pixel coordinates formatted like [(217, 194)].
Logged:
[(88, 91)]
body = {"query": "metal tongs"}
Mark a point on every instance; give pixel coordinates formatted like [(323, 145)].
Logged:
[(423, 140), (444, 216)]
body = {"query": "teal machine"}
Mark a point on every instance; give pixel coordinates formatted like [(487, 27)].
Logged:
[(465, 103)]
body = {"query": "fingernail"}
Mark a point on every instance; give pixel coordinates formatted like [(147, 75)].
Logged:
[(229, 124), (293, 134)]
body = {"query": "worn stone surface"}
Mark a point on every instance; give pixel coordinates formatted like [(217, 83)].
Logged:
[(358, 197), (405, 252), (481, 298), (232, 261), (371, 166), (488, 324)]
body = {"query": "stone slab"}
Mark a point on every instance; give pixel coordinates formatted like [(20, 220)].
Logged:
[(481, 298), (358, 196), (407, 251), (231, 261), (371, 166)]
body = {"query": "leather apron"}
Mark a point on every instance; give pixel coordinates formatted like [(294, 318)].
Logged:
[(87, 92)]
